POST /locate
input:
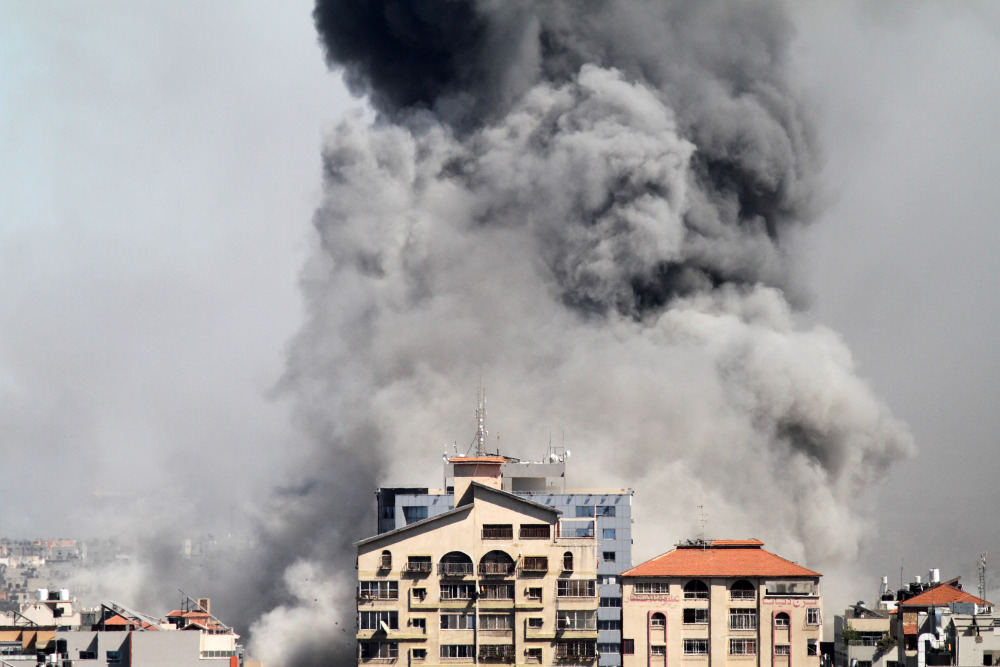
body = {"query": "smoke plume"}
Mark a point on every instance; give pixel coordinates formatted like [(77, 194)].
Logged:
[(590, 203)]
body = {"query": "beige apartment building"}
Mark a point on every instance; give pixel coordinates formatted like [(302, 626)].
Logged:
[(492, 581), (721, 602)]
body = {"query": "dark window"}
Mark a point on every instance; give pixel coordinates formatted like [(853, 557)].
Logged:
[(742, 590), (576, 649), (496, 592), (692, 616), (496, 563), (418, 564), (695, 590), (455, 564), (419, 654), (535, 622), (742, 619), (374, 650), (628, 647), (606, 510), (608, 556), (568, 561), (695, 647), (385, 561), (535, 564), (576, 588), (585, 510), (657, 621), (378, 590), (534, 594), (412, 514), (610, 602), (781, 620), (496, 652), (373, 620)]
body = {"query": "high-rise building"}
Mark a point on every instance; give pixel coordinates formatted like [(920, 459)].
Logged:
[(499, 578), (602, 513), (721, 602)]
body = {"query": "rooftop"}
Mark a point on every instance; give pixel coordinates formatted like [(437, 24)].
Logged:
[(720, 558), (942, 595)]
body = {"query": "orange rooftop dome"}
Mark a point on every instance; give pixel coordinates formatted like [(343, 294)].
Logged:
[(720, 558)]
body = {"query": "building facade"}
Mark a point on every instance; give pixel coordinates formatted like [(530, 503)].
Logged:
[(602, 513), (721, 602), (497, 579)]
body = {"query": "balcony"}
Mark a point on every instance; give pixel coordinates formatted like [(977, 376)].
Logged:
[(455, 569), (496, 569), (418, 567)]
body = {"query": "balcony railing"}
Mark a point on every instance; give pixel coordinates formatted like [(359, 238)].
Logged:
[(419, 567), (502, 569), (455, 569)]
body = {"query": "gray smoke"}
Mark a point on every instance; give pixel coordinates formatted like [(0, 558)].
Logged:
[(590, 203)]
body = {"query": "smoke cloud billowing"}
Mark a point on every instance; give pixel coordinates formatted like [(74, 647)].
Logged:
[(588, 202)]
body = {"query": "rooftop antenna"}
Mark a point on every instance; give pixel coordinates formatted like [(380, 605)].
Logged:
[(982, 576), (702, 520), (481, 420)]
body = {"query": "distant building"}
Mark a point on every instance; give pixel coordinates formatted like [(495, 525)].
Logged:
[(721, 602), (862, 635), (499, 578), (940, 624), (49, 631)]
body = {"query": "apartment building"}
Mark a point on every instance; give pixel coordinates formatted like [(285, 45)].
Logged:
[(499, 578), (721, 602), (602, 513)]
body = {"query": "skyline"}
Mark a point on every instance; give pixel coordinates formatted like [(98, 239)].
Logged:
[(165, 165)]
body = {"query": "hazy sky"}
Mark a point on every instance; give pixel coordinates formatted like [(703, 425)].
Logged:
[(159, 166)]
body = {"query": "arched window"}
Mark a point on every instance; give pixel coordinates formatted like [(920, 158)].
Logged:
[(695, 590), (496, 562), (455, 564), (568, 561), (742, 590), (781, 620), (657, 620), (385, 561)]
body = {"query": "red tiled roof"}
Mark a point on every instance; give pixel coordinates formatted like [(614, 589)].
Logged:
[(118, 619), (940, 596), (721, 558)]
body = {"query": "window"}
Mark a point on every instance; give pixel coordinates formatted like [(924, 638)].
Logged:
[(576, 620), (658, 621), (463, 621), (588, 531), (419, 594), (609, 625), (782, 649), (812, 647), (385, 561), (114, 656), (610, 602), (373, 620), (584, 511), (812, 616), (781, 620), (651, 587), (695, 647), (457, 591), (692, 616), (531, 531), (84, 655), (496, 591), (742, 619), (605, 649), (533, 594), (378, 590), (496, 652), (494, 622), (419, 623), (457, 650), (418, 564), (742, 590), (412, 514), (386, 512), (628, 647), (576, 588), (535, 564), (498, 531), (605, 510), (609, 533), (535, 622), (742, 647), (375, 650), (568, 561), (695, 590), (657, 649), (607, 579), (608, 556), (419, 653), (576, 649), (533, 655)]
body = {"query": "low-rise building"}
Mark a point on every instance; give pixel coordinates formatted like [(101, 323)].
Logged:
[(721, 602)]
